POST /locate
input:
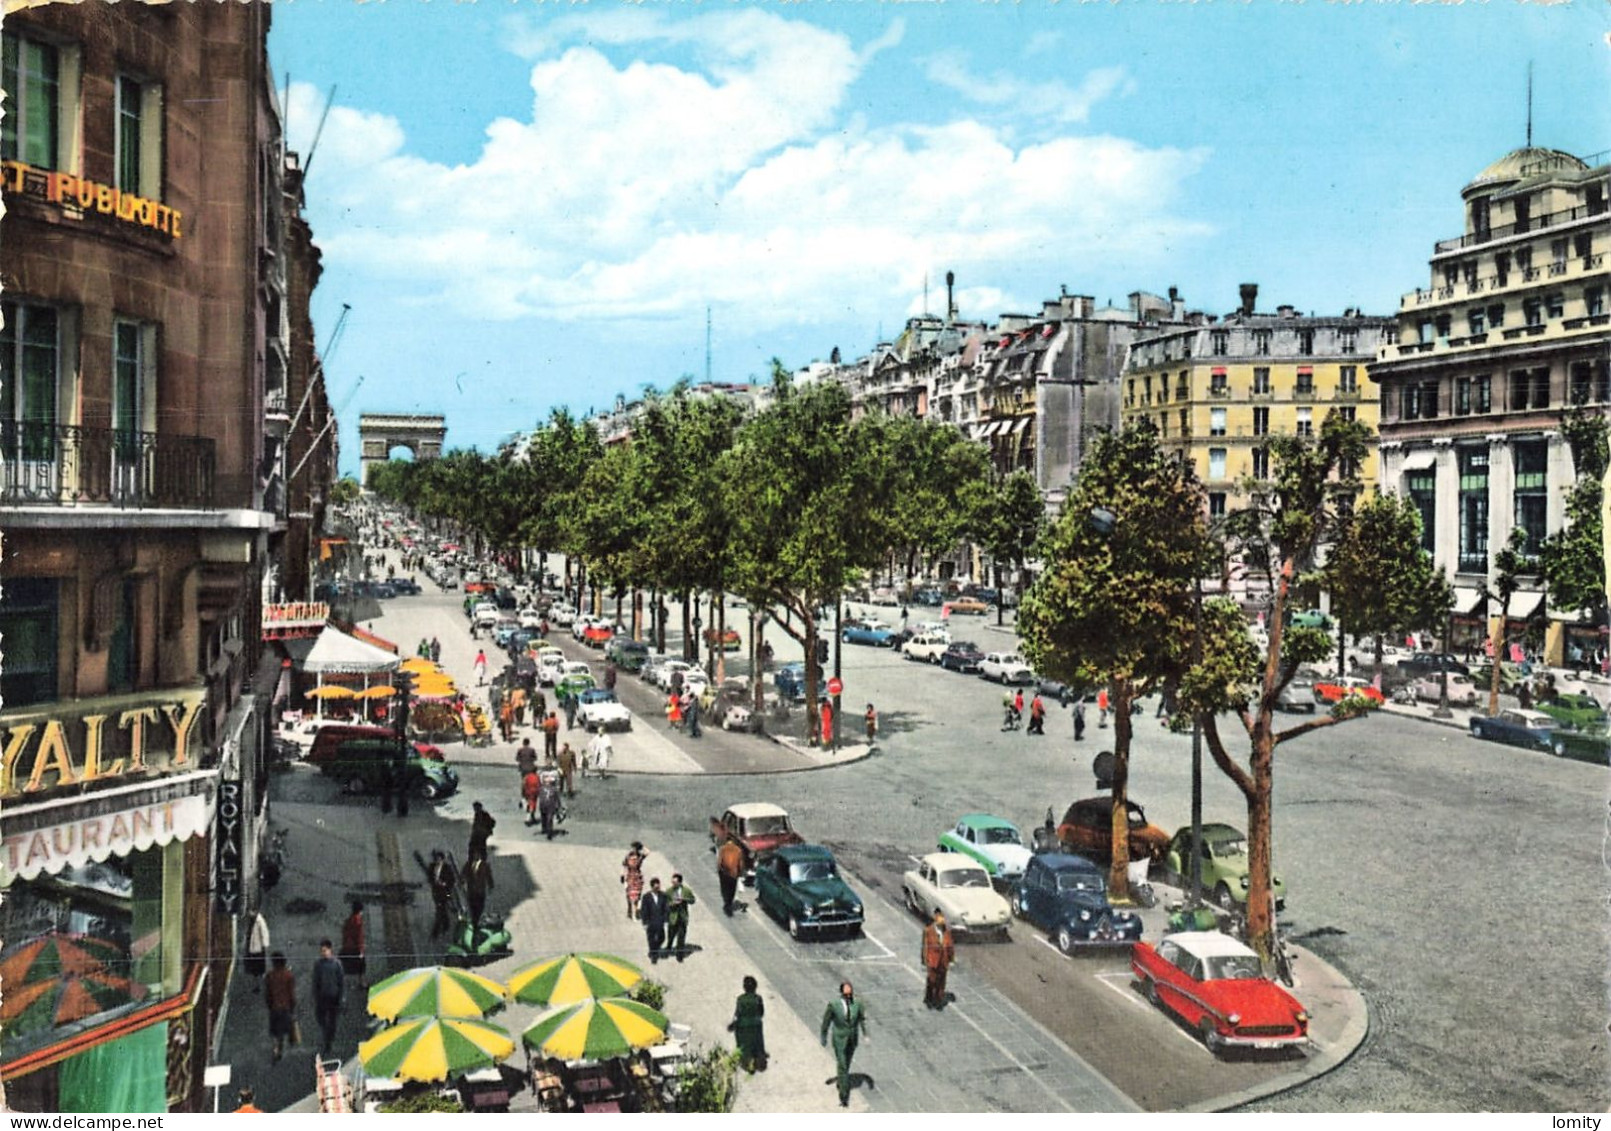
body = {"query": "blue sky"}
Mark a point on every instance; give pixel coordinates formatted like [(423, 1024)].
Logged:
[(533, 204)]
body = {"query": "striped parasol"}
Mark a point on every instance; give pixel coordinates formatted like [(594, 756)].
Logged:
[(569, 978), (435, 991), (434, 1048), (596, 1029)]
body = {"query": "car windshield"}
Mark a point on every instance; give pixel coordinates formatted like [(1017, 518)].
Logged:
[(1000, 836), (964, 878), (810, 870), (1080, 881), (1233, 967), (598, 695), (1138, 819), (1231, 846), (766, 826)]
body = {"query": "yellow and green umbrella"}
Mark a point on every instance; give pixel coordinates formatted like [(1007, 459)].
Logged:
[(568, 978), (434, 1048), (332, 691), (596, 1029), (435, 991), (418, 664)]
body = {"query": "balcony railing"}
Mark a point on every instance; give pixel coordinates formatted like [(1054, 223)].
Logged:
[(1501, 231), (68, 465)]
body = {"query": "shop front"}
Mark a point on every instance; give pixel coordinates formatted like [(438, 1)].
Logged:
[(103, 902)]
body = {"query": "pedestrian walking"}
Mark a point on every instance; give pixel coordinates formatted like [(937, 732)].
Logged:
[(1102, 707), (443, 880), (526, 758), (548, 802), (436, 650), (506, 718), (1037, 716), (1079, 719), (746, 1027), (680, 897), (329, 984), (530, 789), (352, 943), (477, 883), (567, 769), (729, 869), (632, 876), (480, 668), (279, 994), (517, 700), (481, 825), (870, 718), (598, 754), (692, 714), (654, 912), (570, 709), (609, 676), (827, 724), (845, 1020), (939, 951), (257, 945), (551, 737), (245, 1099), (1018, 702), (674, 711)]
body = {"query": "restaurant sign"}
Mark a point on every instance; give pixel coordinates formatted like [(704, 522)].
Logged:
[(298, 619), (71, 191), (80, 840), (85, 741)]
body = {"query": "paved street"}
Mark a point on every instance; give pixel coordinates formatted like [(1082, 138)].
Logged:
[(1458, 884)]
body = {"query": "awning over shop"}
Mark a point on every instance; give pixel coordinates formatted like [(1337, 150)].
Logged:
[(1421, 459), (1469, 602), (80, 838), (1021, 424), (1527, 606), (335, 651)]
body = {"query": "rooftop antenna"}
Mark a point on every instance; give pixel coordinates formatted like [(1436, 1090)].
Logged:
[(329, 100), (707, 343), (1529, 104), (925, 292)]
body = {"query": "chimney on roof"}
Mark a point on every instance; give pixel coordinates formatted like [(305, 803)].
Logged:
[(950, 297), (1286, 311), (1250, 296), (1177, 305)]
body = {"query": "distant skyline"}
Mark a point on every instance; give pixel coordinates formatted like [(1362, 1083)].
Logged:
[(533, 205)]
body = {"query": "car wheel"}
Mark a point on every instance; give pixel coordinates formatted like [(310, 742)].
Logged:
[(355, 784), (1210, 1035), (911, 903), (1017, 906), (1149, 990), (1559, 748), (1065, 940), (1222, 896), (1476, 730), (794, 927), (427, 790)]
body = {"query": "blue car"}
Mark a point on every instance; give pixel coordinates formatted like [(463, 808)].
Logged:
[(790, 682), (1533, 730), (867, 632), (1067, 897)]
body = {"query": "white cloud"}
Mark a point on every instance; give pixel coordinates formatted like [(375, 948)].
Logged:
[(716, 161), (1052, 101)]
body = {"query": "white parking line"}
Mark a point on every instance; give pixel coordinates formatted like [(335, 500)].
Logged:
[(1168, 1020), (1124, 990)]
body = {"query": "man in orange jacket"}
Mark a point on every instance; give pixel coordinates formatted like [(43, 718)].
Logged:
[(938, 953)]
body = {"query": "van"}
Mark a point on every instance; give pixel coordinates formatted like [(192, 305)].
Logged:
[(359, 756)]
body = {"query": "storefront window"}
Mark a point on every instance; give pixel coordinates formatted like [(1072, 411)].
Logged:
[(28, 620)]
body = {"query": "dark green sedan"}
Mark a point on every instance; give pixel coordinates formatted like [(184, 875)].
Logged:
[(800, 885), (1592, 745)]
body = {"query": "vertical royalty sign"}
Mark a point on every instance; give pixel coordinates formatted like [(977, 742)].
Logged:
[(230, 847)]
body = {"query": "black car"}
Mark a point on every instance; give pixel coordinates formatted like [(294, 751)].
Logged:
[(1066, 895), (1431, 663), (929, 598), (962, 656), (406, 586)]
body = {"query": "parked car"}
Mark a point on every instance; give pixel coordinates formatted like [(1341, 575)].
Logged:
[(406, 586), (598, 707), (1431, 663), (959, 888), (1335, 690), (730, 641), (1005, 667), (964, 606), (1462, 692), (360, 757), (800, 885), (1223, 867), (883, 598), (790, 682), (561, 615), (732, 707), (503, 630), (961, 656), (550, 665), (759, 827), (660, 674), (1051, 688), (530, 618), (928, 598), (628, 655), (1216, 985), (1087, 828), (995, 843), (1533, 730), (1309, 618), (872, 632), (1590, 745), (1066, 896), (485, 615), (1577, 709), (927, 646), (598, 634), (1298, 694)]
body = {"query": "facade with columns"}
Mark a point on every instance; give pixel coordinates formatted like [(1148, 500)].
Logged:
[(1511, 334)]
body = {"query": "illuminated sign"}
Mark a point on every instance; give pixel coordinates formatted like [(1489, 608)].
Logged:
[(93, 740), (72, 844), (301, 618), (229, 841), (72, 191)]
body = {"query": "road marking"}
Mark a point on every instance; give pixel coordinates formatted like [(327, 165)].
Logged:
[(1124, 991), (1168, 1018)]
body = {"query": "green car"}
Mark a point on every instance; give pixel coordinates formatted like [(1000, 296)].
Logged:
[(1223, 866), (1310, 618), (1590, 745), (800, 885), (1578, 710), (993, 842), (574, 685)]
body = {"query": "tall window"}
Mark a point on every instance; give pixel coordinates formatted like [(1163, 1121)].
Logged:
[(1261, 421), (1347, 412), (1261, 462), (29, 618), (1496, 316), (1261, 341), (1261, 381), (1216, 422), (1306, 383), (1347, 340), (1473, 510), (1216, 463), (1422, 488), (127, 365), (30, 351), (1219, 384), (1462, 396), (1348, 378), (1594, 301), (1532, 491), (1216, 504), (31, 131), (1219, 342), (1185, 422), (128, 134), (1306, 423), (1306, 342), (1482, 394), (1476, 321), (1429, 400)]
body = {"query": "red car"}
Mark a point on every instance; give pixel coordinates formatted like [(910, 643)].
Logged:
[(1215, 984), (1336, 690), (597, 635)]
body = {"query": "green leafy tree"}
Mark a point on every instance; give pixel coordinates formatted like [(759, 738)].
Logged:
[(1382, 582), (345, 490), (1115, 603), (1008, 517), (1510, 564), (1572, 561), (940, 471)]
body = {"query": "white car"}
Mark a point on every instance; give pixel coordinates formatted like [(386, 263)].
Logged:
[(960, 889), (550, 665), (660, 674), (927, 646), (531, 618), (561, 615), (1429, 689), (1005, 667), (487, 615), (600, 708)]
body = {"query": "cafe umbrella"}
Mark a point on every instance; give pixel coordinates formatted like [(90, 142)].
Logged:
[(567, 978), (435, 991), (596, 1029), (434, 1048)]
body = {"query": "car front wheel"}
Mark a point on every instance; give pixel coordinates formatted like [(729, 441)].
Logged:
[(794, 927), (1559, 748), (427, 791), (1065, 940), (355, 784), (1210, 1035), (1017, 906), (1149, 990)]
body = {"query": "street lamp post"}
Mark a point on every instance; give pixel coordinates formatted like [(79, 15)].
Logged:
[(838, 647), (1194, 888), (1442, 711)]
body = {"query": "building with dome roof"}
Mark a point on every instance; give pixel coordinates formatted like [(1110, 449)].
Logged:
[(1512, 331)]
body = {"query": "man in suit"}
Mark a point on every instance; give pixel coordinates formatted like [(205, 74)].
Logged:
[(846, 1021), (938, 953), (329, 983), (680, 897), (729, 868), (654, 910)]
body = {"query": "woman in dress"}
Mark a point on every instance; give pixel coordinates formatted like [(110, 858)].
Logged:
[(746, 1027), (632, 876), (674, 711)]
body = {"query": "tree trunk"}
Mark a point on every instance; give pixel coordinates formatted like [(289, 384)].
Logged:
[(1260, 911), (812, 674), (687, 629), (1497, 636), (757, 629), (1121, 694), (637, 614), (719, 607), (1001, 608)]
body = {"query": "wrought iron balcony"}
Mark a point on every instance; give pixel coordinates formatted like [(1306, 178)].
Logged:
[(68, 465)]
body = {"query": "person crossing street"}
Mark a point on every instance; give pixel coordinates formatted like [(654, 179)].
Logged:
[(845, 1021)]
